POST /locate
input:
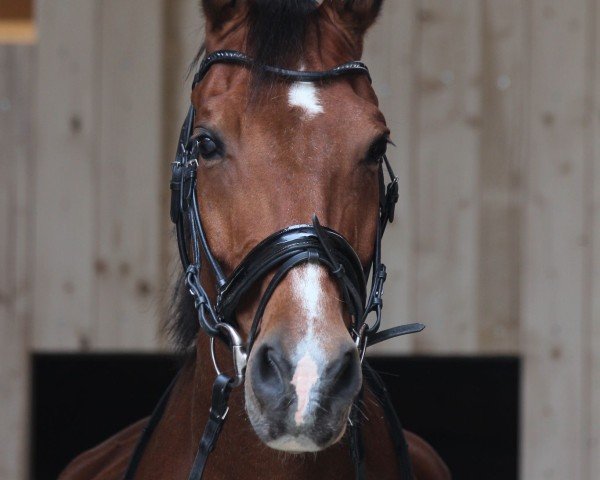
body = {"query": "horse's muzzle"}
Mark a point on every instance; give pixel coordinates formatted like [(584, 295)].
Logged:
[(301, 402)]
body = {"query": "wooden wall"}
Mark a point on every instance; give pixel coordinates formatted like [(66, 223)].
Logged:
[(98, 179), (494, 107), (558, 243), (452, 80), (16, 266)]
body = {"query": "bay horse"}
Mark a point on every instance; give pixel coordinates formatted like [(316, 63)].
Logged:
[(284, 124)]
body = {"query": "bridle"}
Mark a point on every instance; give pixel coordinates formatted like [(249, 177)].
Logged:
[(277, 254), (281, 251)]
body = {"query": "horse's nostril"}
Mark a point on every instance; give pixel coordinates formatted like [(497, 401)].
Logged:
[(345, 372), (269, 370), (267, 375)]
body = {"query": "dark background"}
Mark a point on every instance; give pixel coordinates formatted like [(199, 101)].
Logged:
[(467, 408)]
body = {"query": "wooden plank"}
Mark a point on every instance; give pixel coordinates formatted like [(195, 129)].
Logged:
[(66, 126), (500, 177), (16, 63), (184, 33), (592, 404), (389, 54), (554, 315), (129, 181), (446, 209)]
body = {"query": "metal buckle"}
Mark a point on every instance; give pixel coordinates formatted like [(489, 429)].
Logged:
[(220, 417), (239, 355)]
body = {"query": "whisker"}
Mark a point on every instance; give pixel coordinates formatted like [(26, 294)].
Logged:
[(388, 374), (360, 410)]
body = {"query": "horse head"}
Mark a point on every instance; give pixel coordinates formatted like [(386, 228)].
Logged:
[(272, 152)]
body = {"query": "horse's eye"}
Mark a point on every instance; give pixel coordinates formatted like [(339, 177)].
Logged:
[(207, 147), (377, 150)]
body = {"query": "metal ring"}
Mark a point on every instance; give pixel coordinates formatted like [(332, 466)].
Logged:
[(213, 356), (238, 352)]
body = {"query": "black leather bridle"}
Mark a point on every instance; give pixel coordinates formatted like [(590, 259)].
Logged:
[(277, 254)]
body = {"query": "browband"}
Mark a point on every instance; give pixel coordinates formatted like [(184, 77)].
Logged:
[(239, 58)]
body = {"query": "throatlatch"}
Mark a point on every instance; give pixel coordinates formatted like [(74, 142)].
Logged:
[(278, 253)]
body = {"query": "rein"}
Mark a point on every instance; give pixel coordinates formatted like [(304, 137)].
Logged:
[(280, 252)]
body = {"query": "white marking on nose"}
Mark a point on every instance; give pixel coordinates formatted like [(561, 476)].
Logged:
[(305, 378), (308, 291), (304, 95)]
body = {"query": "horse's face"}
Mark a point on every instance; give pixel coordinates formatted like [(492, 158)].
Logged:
[(270, 163)]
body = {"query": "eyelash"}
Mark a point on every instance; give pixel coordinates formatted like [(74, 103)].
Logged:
[(377, 150)]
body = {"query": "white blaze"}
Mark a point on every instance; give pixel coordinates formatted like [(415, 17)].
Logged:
[(305, 378), (304, 95), (308, 291)]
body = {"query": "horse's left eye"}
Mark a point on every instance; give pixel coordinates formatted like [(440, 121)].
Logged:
[(377, 150), (207, 147)]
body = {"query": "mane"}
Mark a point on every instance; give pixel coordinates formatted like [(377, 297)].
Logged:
[(182, 323), (277, 31), (276, 36)]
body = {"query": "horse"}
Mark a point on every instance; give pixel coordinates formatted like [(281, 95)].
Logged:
[(284, 125)]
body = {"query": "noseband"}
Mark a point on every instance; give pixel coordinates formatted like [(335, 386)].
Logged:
[(278, 254)]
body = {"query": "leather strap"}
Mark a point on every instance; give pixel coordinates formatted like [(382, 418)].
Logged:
[(318, 250), (393, 332), (216, 418), (396, 431), (239, 58), (278, 248)]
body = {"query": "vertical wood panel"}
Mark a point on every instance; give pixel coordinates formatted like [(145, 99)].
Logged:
[(448, 144), (554, 426), (500, 182), (129, 180), (66, 123), (389, 54), (99, 176), (593, 345), (16, 65), (184, 33)]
